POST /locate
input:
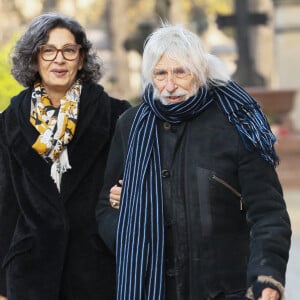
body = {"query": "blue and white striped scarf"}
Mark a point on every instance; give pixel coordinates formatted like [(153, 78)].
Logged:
[(140, 234)]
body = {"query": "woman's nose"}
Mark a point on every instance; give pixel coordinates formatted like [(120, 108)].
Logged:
[(59, 56)]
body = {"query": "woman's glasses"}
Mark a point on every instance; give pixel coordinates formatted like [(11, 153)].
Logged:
[(50, 52)]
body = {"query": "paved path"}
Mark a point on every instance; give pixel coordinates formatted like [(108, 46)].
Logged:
[(292, 197), (289, 173)]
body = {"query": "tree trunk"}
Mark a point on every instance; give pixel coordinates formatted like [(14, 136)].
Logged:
[(119, 62), (162, 10), (49, 5)]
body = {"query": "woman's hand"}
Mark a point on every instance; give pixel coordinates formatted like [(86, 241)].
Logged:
[(115, 195)]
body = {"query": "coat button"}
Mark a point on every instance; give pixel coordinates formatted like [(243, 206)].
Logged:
[(168, 221), (170, 272), (165, 173), (167, 125)]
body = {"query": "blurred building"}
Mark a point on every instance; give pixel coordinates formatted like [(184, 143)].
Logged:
[(287, 49)]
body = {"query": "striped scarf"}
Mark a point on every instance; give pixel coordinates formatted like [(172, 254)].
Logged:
[(140, 234)]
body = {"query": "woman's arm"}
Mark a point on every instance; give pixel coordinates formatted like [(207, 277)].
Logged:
[(8, 204)]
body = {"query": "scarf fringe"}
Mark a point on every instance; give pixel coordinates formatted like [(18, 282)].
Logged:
[(245, 114), (255, 132), (60, 166)]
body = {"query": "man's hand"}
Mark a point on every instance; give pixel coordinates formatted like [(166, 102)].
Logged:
[(269, 294), (115, 195), (3, 298)]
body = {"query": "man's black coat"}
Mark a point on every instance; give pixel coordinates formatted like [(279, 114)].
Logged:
[(225, 218)]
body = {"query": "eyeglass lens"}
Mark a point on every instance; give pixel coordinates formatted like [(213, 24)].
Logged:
[(50, 52), (161, 74)]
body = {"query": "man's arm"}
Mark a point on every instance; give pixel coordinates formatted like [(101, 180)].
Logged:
[(106, 215), (269, 225)]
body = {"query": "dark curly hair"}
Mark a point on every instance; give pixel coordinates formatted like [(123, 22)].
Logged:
[(24, 55)]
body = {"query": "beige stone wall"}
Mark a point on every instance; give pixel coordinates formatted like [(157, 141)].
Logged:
[(287, 55)]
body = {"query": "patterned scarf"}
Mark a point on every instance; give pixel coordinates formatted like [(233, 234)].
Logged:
[(140, 233), (56, 127)]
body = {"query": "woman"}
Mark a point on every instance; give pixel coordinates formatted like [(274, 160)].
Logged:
[(54, 140)]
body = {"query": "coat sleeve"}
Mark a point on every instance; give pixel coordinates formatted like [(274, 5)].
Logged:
[(8, 204), (267, 218), (106, 216), (118, 107)]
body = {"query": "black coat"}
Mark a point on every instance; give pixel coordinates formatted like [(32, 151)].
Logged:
[(225, 217), (49, 243)]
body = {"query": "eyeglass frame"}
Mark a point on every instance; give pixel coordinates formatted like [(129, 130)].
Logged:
[(173, 72), (78, 47)]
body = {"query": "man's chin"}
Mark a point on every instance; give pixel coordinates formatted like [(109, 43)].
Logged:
[(176, 100), (170, 100)]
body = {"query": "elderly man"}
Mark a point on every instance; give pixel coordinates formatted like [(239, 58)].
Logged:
[(202, 215)]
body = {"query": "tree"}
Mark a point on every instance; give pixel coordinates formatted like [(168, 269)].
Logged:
[(8, 85), (50, 5), (117, 25)]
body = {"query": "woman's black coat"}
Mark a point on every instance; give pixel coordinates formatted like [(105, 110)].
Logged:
[(49, 244), (225, 218)]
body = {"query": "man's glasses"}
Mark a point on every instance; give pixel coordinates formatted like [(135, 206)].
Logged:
[(50, 52), (161, 75)]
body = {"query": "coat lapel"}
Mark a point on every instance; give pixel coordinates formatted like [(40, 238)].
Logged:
[(91, 137), (36, 168), (22, 136)]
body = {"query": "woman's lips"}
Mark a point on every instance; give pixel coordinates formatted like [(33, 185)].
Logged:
[(59, 73)]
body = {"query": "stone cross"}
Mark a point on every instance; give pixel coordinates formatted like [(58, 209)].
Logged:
[(242, 21)]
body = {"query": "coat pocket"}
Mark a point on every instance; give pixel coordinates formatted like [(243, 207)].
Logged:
[(229, 187), (219, 203), (18, 248)]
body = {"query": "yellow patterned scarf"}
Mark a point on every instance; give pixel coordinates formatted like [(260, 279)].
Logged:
[(56, 127)]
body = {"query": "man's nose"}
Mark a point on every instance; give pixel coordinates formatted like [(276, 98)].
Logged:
[(170, 84)]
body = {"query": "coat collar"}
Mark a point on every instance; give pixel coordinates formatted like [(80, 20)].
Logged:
[(91, 135)]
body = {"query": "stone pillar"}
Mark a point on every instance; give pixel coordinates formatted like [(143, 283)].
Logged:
[(178, 12), (262, 42), (287, 37)]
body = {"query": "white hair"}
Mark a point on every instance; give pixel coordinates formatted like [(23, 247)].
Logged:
[(186, 47)]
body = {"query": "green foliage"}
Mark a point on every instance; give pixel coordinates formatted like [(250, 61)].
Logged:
[(215, 6), (8, 85)]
